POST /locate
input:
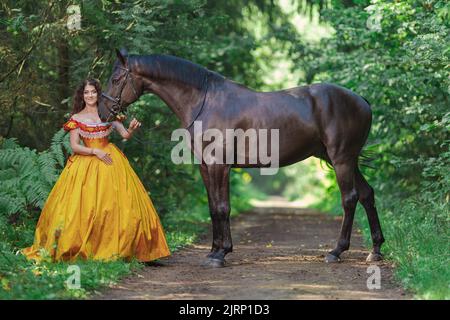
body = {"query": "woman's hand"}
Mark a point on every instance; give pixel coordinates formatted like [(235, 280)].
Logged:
[(134, 124), (102, 155)]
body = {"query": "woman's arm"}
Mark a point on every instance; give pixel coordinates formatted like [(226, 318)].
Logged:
[(126, 133), (76, 146)]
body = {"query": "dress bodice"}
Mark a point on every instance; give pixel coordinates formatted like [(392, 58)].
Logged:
[(94, 135)]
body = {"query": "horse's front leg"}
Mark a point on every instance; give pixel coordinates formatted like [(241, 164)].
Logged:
[(217, 180)]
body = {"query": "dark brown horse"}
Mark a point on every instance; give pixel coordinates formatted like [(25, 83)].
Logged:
[(321, 120)]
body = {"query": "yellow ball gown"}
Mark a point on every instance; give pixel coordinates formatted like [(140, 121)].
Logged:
[(98, 211)]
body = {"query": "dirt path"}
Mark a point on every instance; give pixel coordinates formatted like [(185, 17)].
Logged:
[(278, 254)]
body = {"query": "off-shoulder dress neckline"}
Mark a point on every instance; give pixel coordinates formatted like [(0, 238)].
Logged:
[(90, 123)]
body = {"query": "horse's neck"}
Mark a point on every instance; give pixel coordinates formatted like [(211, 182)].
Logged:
[(182, 99)]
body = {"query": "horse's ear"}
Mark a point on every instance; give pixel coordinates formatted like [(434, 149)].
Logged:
[(122, 56)]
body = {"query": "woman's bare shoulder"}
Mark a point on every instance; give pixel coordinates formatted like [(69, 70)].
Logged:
[(77, 116)]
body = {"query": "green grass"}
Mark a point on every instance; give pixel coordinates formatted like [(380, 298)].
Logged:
[(418, 242), (25, 280), (417, 233), (22, 279)]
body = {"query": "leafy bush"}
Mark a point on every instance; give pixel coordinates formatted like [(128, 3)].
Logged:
[(396, 55)]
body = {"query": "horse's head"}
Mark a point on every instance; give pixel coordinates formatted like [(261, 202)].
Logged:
[(123, 89)]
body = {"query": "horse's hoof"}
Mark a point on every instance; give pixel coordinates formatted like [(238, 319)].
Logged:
[(213, 263), (373, 257), (331, 258)]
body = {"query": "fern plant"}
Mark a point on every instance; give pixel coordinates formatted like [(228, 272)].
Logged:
[(27, 177)]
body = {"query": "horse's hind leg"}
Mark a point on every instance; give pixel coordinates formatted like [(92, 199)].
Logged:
[(367, 199), (345, 175)]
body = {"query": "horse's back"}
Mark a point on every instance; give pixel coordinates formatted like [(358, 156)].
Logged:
[(308, 118), (335, 116)]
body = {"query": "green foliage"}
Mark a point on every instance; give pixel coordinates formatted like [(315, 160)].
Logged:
[(418, 243), (26, 176), (19, 279), (396, 54), (402, 68)]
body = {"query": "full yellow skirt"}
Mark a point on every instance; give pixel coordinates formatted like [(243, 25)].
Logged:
[(98, 211)]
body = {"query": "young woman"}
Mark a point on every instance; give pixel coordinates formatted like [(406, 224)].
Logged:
[(98, 208)]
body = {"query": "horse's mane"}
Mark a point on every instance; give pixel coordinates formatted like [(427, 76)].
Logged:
[(169, 67)]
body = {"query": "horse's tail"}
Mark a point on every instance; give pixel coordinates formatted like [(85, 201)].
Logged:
[(366, 158), (368, 153)]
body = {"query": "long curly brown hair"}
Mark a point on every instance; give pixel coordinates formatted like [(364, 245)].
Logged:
[(78, 97)]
